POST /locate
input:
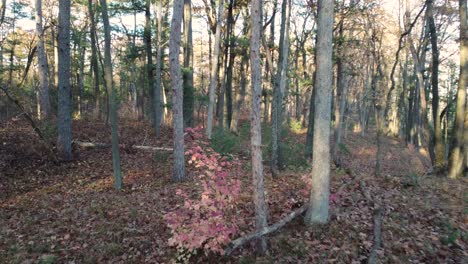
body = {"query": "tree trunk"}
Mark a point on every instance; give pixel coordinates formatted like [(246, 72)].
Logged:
[(230, 65), (320, 178), (457, 166), (177, 92), (279, 89), (214, 69), (310, 124), (94, 61), (64, 117), (157, 71), (42, 64), (340, 81), (187, 72), (438, 139), (222, 88), (241, 94), (150, 67), (261, 211), (112, 100)]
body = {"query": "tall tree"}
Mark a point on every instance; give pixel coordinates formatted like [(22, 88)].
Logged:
[(177, 92), (439, 147), (158, 66), (320, 178), (187, 73), (64, 117), (150, 66), (214, 69), (94, 60), (261, 213), (112, 100), (457, 166), (231, 40), (279, 88), (42, 62)]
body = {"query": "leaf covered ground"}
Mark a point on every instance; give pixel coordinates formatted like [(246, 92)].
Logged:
[(68, 212)]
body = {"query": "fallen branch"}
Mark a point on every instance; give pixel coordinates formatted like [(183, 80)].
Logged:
[(105, 145), (25, 113), (264, 231), (378, 215)]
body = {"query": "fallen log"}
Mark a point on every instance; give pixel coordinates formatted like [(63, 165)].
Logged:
[(264, 231), (378, 215), (105, 145)]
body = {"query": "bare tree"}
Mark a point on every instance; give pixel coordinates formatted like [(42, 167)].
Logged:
[(112, 100), (42, 62), (439, 147), (457, 165), (320, 191), (94, 60), (64, 118), (279, 88), (214, 69), (255, 130), (187, 73), (177, 92)]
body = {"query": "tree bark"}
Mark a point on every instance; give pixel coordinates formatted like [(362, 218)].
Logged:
[(214, 69), (439, 147), (279, 88), (320, 178), (94, 61), (42, 63), (187, 72), (310, 124), (232, 57), (178, 173), (157, 71), (457, 166), (112, 100), (64, 116), (243, 83), (261, 211)]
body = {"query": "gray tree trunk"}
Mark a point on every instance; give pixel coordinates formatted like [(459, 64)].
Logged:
[(150, 68), (241, 94), (157, 70), (320, 178), (279, 89), (261, 213), (214, 69), (94, 61), (187, 73), (64, 117), (457, 166), (178, 173), (43, 67), (112, 100), (439, 147)]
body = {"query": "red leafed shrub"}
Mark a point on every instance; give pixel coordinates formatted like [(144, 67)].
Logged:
[(206, 223)]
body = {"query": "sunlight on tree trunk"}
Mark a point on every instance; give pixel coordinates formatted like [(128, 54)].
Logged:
[(42, 67), (457, 166), (320, 177)]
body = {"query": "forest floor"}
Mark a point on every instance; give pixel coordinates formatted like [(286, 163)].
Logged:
[(68, 212)]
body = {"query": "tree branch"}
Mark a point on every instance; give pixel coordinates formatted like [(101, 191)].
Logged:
[(264, 231)]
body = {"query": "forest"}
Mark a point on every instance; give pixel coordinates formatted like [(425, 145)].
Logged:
[(233, 131)]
